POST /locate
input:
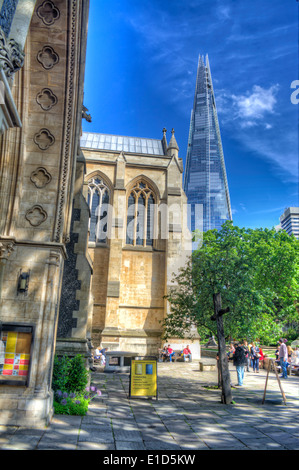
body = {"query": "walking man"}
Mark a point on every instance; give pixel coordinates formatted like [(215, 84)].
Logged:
[(240, 363), (283, 358)]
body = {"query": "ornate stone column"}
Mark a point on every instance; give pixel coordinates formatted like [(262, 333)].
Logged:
[(48, 326)]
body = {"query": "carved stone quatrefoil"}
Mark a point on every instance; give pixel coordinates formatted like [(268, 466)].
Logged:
[(40, 177), (48, 13), (6, 248), (46, 99), (44, 139), (47, 57), (36, 215)]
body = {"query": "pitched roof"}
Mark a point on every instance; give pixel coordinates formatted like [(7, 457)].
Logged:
[(119, 143)]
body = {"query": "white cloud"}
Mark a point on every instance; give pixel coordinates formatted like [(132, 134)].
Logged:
[(254, 120), (252, 107), (223, 12)]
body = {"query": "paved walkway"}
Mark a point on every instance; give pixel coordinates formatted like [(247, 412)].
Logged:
[(186, 417)]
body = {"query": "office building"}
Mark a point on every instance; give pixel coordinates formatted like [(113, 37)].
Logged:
[(205, 181), (289, 221)]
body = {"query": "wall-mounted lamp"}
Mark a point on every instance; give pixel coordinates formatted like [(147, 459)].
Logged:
[(23, 282)]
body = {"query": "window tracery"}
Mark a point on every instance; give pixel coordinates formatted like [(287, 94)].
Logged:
[(140, 215), (98, 202)]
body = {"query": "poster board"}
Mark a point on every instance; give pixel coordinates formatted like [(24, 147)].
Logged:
[(143, 378), (15, 353)]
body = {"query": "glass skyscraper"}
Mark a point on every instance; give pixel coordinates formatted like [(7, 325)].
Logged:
[(205, 181)]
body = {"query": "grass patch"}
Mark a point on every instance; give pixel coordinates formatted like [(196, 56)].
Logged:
[(211, 387)]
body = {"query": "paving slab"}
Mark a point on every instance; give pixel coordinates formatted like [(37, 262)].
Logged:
[(129, 445), (187, 416)]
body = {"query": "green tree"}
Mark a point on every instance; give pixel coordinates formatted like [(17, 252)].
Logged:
[(255, 271)]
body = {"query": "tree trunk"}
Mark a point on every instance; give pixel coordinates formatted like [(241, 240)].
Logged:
[(219, 373), (226, 396)]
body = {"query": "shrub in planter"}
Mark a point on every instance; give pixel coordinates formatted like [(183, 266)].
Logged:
[(61, 369), (69, 383), (78, 375), (70, 374), (74, 404)]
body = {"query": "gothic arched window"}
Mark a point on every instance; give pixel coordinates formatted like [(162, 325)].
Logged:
[(140, 215), (98, 202)]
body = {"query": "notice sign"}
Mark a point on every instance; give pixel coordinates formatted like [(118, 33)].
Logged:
[(143, 379), (14, 354)]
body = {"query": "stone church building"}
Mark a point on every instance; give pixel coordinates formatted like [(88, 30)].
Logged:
[(92, 226), (137, 238)]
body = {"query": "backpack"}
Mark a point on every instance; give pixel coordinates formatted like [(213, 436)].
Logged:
[(239, 356)]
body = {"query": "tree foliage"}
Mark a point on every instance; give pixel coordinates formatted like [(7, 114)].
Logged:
[(255, 271)]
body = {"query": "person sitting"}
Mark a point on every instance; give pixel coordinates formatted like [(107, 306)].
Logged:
[(100, 354), (170, 352), (295, 357), (290, 352), (187, 353), (97, 354), (164, 354)]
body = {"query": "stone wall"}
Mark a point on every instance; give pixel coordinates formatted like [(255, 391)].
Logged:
[(37, 174), (129, 282)]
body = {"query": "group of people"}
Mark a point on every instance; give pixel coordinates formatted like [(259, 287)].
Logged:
[(246, 355), (253, 355), (286, 356), (168, 353)]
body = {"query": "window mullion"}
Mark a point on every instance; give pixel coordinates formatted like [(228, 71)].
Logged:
[(145, 219), (99, 214), (135, 219)]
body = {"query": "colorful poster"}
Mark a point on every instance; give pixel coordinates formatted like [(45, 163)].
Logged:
[(11, 341), (15, 353), (143, 380)]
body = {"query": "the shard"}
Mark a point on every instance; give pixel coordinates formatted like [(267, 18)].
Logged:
[(205, 180)]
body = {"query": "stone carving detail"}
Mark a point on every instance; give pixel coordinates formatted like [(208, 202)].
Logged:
[(48, 13), (44, 139), (48, 57), (85, 114), (36, 215), (40, 177), (11, 56), (46, 99), (6, 247), (69, 106)]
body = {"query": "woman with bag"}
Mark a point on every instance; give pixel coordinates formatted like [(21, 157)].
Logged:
[(255, 354)]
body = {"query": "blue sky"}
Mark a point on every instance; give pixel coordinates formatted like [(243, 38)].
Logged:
[(140, 77)]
